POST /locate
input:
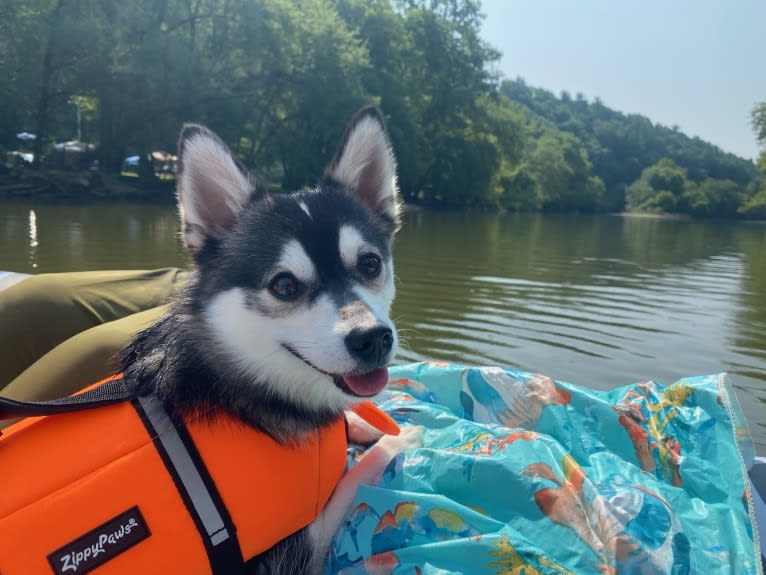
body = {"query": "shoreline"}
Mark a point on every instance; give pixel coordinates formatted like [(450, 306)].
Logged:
[(58, 186), (654, 215), (48, 186)]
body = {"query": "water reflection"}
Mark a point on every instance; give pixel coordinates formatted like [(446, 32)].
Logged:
[(600, 301), (33, 239), (89, 237)]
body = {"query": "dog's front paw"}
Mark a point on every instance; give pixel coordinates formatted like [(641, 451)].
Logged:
[(410, 437), (361, 432)]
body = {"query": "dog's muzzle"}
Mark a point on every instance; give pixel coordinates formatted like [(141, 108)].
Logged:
[(370, 348)]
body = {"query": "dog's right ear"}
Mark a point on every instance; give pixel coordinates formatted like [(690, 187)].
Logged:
[(211, 188)]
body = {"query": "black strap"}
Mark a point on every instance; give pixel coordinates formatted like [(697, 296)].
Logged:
[(195, 486), (111, 391)]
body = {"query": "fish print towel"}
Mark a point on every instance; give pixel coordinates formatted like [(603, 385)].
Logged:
[(520, 474)]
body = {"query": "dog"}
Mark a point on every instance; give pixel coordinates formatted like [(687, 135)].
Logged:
[(285, 321)]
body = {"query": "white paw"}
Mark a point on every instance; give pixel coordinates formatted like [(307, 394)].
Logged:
[(410, 437), (361, 432)]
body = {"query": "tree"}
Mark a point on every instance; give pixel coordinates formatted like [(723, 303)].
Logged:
[(620, 146), (446, 68), (278, 79), (661, 186), (326, 60), (519, 191), (756, 206), (560, 166), (47, 71), (758, 116), (713, 197)]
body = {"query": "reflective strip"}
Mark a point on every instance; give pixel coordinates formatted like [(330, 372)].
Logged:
[(185, 468)]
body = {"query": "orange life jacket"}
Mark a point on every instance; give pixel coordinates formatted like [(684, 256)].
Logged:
[(121, 489)]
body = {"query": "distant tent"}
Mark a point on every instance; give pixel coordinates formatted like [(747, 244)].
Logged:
[(162, 163), (26, 137), (73, 155)]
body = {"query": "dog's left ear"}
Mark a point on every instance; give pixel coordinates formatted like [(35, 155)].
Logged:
[(211, 188), (365, 163)]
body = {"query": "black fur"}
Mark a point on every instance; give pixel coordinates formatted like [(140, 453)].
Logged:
[(293, 555)]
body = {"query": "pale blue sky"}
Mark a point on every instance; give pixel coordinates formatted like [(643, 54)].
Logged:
[(698, 64)]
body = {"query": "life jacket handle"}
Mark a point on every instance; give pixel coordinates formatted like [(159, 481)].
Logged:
[(106, 392), (376, 417)]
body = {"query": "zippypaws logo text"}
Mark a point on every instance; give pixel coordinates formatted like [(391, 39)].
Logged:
[(100, 544)]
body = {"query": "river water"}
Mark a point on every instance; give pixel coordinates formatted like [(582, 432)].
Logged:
[(602, 301)]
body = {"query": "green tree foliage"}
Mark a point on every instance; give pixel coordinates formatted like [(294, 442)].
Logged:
[(661, 187), (759, 122), (756, 205), (619, 147), (44, 48), (555, 174), (665, 187), (278, 79), (561, 169), (519, 191), (713, 198), (455, 138)]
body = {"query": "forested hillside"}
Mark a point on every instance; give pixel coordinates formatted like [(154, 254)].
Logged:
[(627, 153), (279, 79)]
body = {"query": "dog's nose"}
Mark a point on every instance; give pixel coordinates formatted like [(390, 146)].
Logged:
[(370, 345)]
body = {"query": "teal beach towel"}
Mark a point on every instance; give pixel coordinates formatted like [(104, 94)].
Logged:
[(520, 474)]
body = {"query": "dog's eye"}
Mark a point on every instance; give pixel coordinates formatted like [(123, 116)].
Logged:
[(285, 286), (369, 265)]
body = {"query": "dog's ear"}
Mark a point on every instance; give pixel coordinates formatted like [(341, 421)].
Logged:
[(211, 188), (365, 163)]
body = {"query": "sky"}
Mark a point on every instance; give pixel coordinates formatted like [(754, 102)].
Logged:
[(700, 65)]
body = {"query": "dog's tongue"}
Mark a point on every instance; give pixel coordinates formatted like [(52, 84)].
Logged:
[(369, 383)]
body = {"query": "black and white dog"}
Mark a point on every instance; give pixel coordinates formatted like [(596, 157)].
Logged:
[(284, 322)]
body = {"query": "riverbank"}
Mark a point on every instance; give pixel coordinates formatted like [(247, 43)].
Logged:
[(653, 215), (47, 186), (57, 186)]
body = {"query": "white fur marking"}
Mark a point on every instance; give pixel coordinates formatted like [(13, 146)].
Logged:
[(350, 242), (295, 260), (305, 208), (379, 301)]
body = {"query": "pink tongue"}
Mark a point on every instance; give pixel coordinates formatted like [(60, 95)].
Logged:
[(369, 383)]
